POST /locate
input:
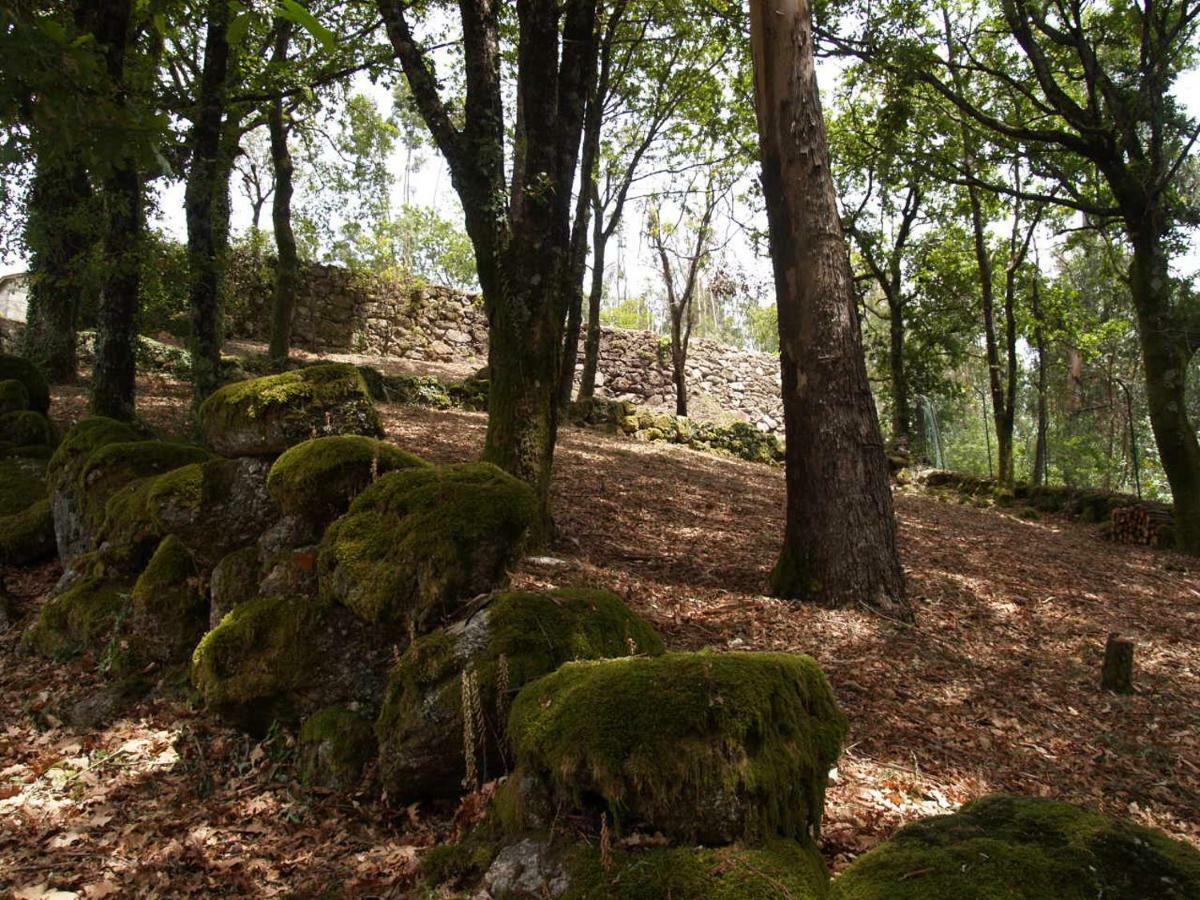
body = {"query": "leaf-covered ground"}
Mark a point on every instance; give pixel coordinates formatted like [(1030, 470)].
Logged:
[(993, 690)]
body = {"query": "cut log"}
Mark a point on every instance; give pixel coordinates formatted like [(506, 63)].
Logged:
[(1117, 675)]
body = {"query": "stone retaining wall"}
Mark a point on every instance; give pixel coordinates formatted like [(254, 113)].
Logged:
[(341, 311)]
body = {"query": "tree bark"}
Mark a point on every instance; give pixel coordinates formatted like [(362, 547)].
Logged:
[(1117, 673), (114, 388), (1165, 356), (59, 235), (591, 341), (207, 220), (840, 539), (1043, 419), (287, 265)]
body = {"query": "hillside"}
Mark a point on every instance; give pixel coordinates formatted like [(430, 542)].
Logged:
[(993, 690)]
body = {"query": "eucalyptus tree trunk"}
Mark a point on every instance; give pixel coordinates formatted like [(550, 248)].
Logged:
[(60, 237), (207, 202), (287, 265), (114, 386), (840, 539)]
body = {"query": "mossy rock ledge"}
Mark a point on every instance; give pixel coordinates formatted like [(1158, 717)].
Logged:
[(89, 603), (536, 868), (109, 468), (283, 658), (517, 638), (1023, 848), (420, 543), (170, 607), (25, 428), (62, 479), (317, 480), (265, 416), (214, 507), (705, 747), (26, 525)]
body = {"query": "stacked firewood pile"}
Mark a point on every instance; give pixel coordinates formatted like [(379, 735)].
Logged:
[(1151, 524)]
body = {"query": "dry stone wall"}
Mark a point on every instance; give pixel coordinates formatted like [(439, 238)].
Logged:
[(342, 311)]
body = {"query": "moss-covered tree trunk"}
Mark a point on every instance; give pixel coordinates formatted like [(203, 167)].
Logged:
[(206, 198), (840, 539), (60, 234), (114, 388), (287, 265)]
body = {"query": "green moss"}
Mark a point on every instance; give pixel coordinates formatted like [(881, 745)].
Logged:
[(14, 396), (246, 667), (85, 615), (18, 369), (778, 868), (517, 638), (417, 390), (318, 479), (1023, 848), (21, 485), (419, 542), (1030, 514), (128, 532), (235, 580), (170, 611), (27, 428), (78, 444), (267, 415), (115, 465), (335, 746), (27, 536), (451, 864), (704, 746)]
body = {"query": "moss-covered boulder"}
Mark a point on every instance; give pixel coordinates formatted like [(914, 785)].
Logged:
[(335, 745), (517, 638), (419, 543), (89, 605), (536, 868), (282, 658), (16, 368), (318, 479), (26, 526), (706, 747), (27, 536), (26, 428), (265, 416), (109, 468), (62, 479), (128, 533), (14, 396), (1012, 848), (234, 581), (214, 507), (170, 608)]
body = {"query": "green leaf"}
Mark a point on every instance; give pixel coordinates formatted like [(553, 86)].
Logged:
[(298, 13), (237, 29)]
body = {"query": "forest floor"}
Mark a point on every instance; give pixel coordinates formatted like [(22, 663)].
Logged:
[(994, 689)]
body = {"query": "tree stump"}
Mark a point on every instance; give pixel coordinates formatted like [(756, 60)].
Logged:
[(1117, 674)]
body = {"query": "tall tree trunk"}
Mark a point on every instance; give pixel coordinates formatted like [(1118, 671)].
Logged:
[(208, 179), (901, 405), (679, 362), (840, 540), (591, 341), (287, 266), (59, 235), (1040, 460), (1165, 357), (114, 388)]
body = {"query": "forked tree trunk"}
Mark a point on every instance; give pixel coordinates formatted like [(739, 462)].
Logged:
[(114, 390), (840, 540)]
